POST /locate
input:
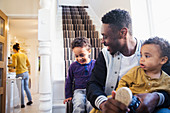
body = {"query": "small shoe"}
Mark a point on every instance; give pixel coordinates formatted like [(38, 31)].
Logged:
[(124, 95), (23, 106), (29, 103)]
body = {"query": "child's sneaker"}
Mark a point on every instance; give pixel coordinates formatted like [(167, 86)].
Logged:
[(124, 95)]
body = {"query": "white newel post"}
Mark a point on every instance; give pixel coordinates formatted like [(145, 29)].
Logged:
[(45, 79), (45, 87)]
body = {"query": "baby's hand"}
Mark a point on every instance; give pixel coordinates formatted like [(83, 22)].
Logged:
[(66, 100)]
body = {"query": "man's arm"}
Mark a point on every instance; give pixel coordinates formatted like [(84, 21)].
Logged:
[(96, 84), (150, 101), (166, 102)]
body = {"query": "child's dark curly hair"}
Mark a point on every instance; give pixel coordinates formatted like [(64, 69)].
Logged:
[(163, 44), (16, 46), (81, 42), (119, 18)]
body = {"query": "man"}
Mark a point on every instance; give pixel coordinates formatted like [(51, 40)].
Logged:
[(122, 53)]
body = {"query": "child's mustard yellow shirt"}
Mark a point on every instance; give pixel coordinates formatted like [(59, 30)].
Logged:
[(20, 62), (139, 82)]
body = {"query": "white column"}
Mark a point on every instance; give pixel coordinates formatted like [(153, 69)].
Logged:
[(45, 79), (45, 88)]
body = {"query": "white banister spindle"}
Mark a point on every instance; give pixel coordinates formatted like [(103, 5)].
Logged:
[(45, 88)]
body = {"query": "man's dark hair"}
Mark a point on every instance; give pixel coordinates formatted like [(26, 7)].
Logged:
[(118, 18), (81, 42), (163, 44)]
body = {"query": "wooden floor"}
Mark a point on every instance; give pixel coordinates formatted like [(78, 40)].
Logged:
[(34, 108)]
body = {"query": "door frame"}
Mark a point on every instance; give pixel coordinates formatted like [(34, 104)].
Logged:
[(3, 65)]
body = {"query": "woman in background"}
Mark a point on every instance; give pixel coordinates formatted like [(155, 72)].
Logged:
[(21, 63)]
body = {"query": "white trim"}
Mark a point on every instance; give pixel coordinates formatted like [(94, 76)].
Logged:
[(99, 100), (150, 18), (22, 15)]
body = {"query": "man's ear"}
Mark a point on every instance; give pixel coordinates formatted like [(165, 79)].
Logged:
[(123, 32), (164, 60)]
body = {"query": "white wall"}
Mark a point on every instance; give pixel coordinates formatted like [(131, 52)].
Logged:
[(70, 2), (161, 18), (33, 58), (101, 7), (15, 7), (140, 20)]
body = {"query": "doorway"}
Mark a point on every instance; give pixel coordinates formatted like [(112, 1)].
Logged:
[(3, 60)]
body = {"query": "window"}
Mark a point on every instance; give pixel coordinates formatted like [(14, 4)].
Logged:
[(150, 18), (161, 18)]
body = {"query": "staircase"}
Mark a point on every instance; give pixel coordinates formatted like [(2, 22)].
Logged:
[(77, 23), (72, 22)]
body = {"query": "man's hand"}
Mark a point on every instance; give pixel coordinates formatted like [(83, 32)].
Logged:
[(113, 106), (148, 102), (102, 105)]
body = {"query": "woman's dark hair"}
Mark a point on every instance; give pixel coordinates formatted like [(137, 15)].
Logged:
[(118, 18), (81, 42), (163, 44), (16, 46)]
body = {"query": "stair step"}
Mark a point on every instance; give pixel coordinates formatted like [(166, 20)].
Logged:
[(59, 108)]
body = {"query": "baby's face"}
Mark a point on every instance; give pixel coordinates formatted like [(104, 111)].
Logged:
[(150, 57), (82, 55)]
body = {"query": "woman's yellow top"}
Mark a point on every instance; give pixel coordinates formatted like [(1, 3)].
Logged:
[(20, 62)]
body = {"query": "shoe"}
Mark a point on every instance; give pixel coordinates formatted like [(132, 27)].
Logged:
[(29, 103), (23, 106), (124, 95)]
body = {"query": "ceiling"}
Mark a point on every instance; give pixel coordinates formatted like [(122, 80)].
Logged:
[(23, 28), (23, 17)]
